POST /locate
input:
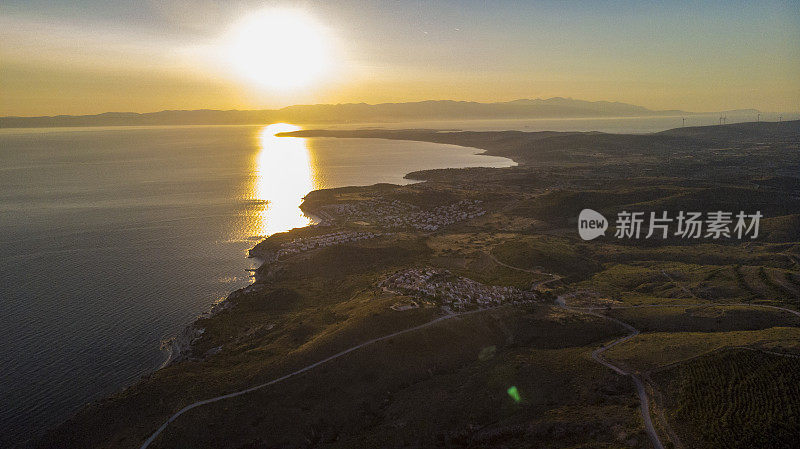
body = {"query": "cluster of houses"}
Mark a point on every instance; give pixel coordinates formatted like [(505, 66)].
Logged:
[(374, 210), (444, 215), (397, 214), (301, 244), (453, 293)]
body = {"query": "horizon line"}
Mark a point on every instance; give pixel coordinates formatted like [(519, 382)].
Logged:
[(363, 103)]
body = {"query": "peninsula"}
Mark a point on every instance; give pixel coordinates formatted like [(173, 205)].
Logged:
[(465, 311)]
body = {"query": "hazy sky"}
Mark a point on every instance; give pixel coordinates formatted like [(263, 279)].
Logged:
[(90, 56)]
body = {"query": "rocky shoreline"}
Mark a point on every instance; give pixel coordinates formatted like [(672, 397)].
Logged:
[(180, 347)]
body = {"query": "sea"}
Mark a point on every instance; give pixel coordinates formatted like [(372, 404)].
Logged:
[(114, 239)]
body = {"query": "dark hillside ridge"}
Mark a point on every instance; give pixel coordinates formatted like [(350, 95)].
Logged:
[(351, 112), (527, 148)]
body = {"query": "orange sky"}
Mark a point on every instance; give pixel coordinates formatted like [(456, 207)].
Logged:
[(90, 57)]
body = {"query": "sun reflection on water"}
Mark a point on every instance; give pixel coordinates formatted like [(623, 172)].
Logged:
[(283, 176)]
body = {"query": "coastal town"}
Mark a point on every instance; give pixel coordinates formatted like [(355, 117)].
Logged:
[(389, 215), (451, 292), (302, 244), (366, 210), (396, 214)]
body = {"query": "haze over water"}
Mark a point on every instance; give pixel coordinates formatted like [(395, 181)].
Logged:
[(114, 239)]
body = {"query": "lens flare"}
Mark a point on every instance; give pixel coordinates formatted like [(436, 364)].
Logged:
[(514, 393)]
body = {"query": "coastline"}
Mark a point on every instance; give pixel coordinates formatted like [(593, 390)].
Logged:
[(179, 347), (252, 317)]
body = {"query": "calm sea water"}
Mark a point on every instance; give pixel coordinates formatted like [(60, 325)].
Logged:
[(112, 240)]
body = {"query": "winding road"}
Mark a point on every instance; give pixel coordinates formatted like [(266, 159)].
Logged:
[(302, 370), (640, 389), (597, 354)]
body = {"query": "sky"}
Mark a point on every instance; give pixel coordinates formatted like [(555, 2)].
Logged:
[(93, 56)]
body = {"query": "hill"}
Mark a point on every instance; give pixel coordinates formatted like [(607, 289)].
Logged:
[(351, 112)]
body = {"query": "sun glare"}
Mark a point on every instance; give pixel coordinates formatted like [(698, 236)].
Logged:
[(284, 174), (280, 49)]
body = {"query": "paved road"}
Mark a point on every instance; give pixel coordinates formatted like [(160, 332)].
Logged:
[(302, 370), (648, 422), (597, 354)]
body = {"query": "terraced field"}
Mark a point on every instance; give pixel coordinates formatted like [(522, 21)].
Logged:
[(735, 399)]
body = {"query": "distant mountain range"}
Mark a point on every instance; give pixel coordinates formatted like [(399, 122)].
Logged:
[(356, 113)]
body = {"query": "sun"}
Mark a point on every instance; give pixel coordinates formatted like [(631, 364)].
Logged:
[(280, 49)]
